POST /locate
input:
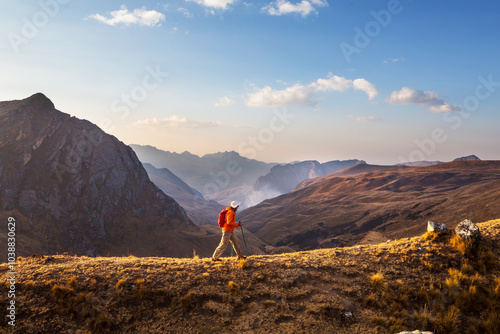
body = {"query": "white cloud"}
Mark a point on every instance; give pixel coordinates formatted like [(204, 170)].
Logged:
[(304, 7), (364, 119), (185, 12), (217, 4), (444, 108), (300, 94), (223, 102), (268, 97), (139, 16), (365, 86), (394, 60), (427, 99), (174, 122)]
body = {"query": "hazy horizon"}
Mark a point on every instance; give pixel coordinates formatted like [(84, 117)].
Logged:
[(276, 81)]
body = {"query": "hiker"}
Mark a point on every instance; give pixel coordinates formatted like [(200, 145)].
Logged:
[(228, 226)]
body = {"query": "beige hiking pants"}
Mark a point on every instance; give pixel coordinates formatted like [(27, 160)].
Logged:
[(224, 242)]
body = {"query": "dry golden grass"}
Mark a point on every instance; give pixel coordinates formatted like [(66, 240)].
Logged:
[(425, 283)]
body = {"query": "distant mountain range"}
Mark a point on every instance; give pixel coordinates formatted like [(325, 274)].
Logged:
[(367, 203), (73, 188), (209, 174), (226, 176)]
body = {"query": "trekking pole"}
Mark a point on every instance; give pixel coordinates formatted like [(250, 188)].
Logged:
[(243, 235)]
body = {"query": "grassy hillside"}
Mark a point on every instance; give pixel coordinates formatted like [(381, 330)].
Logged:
[(349, 207), (427, 283)]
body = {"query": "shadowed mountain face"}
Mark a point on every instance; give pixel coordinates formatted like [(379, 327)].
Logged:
[(368, 203), (198, 209), (73, 188)]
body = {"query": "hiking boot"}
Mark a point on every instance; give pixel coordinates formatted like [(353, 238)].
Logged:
[(215, 260)]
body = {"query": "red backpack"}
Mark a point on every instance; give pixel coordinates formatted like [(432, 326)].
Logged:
[(222, 218)]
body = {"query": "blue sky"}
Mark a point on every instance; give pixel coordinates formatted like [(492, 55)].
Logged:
[(383, 81)]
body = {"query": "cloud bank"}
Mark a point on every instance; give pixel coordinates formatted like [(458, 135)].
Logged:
[(304, 95), (427, 99), (123, 16)]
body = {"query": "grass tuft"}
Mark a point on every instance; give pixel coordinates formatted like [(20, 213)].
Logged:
[(233, 288), (377, 279)]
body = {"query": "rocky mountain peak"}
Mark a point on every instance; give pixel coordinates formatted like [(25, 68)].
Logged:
[(78, 189)]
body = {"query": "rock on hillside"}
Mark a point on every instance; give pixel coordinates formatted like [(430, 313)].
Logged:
[(73, 188)]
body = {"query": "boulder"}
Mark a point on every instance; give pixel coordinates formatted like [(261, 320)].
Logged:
[(436, 227), (467, 230)]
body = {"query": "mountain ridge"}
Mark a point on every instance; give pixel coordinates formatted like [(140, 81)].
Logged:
[(387, 201), (80, 190)]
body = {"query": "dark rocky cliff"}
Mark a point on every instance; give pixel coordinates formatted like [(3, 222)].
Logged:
[(72, 187)]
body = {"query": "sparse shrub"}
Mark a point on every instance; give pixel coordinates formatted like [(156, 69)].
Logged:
[(452, 283), (187, 300), (422, 319), (470, 300), (467, 269), (120, 284), (396, 324), (233, 288), (487, 261), (492, 323), (461, 245), (377, 279), (243, 263), (430, 236), (372, 300), (456, 274), (103, 322), (378, 321), (140, 289), (423, 295), (72, 282), (62, 292), (448, 322), (195, 256)]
